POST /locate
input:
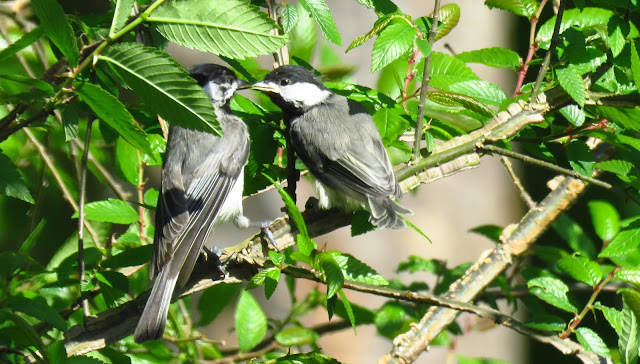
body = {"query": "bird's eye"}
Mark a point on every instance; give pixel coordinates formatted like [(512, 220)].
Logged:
[(284, 82)]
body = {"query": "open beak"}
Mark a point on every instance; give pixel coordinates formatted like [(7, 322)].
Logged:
[(267, 87), (243, 85)]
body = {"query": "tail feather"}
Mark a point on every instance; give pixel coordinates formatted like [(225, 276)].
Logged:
[(385, 213), (154, 317)]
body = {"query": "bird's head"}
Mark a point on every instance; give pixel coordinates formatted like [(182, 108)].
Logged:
[(218, 82), (293, 88)]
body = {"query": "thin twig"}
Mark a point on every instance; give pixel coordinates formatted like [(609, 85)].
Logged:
[(244, 356), (425, 83), (547, 57), (533, 47), (516, 182), (140, 190), (81, 218)]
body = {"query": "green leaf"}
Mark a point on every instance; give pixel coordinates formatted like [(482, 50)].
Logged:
[(574, 114), (492, 232), (613, 316), (111, 210), (127, 163), (230, 28), (635, 64), (26, 246), (11, 183), (271, 281), (581, 269), (28, 81), (553, 291), (114, 113), (580, 157), (163, 85), (424, 46), (625, 242), (121, 14), (390, 319), (288, 17), (571, 81), (70, 122), (618, 30), (377, 27), (322, 14), (485, 92), (26, 40), (250, 322), (357, 271), (628, 340), (446, 70), (619, 167), (419, 264), (631, 299), (591, 341), (304, 35), (332, 271), (392, 42), (574, 235), (314, 357), (34, 305), (546, 323), (448, 15), (26, 332), (628, 118), (296, 336), (631, 275), (605, 219), (214, 299), (390, 123), (492, 57), (457, 100), (130, 257), (360, 223), (527, 8), (57, 27), (348, 309)]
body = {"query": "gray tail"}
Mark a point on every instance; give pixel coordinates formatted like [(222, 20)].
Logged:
[(154, 316), (385, 213)]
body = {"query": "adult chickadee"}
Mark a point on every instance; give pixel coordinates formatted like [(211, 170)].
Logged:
[(202, 182), (339, 143)]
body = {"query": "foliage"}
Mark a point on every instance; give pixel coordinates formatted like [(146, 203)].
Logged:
[(105, 77)]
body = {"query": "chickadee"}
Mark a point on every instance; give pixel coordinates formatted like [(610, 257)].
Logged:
[(202, 182), (339, 143)]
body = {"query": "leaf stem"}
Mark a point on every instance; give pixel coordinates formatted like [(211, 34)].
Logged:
[(533, 47), (81, 218), (547, 57), (425, 83)]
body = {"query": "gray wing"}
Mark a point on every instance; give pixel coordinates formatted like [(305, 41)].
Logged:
[(193, 194), (351, 155)]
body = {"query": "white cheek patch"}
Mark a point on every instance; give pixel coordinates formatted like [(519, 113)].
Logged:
[(219, 94), (303, 94)]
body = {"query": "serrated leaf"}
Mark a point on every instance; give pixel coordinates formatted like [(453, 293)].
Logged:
[(288, 17), (419, 264), (127, 163), (581, 269), (295, 336), (626, 241), (553, 291), (214, 299), (391, 123), (424, 46), (26, 332), (360, 223), (36, 306), (304, 35), (334, 278), (357, 271), (619, 167), (618, 30), (448, 15), (571, 81), (492, 232), (631, 299), (315, 357), (580, 157), (492, 57), (163, 85), (347, 307), (11, 183), (485, 92), (271, 282), (635, 64), (457, 100), (631, 275), (111, 210), (591, 341), (121, 13), (322, 14), (230, 28), (70, 122), (26, 40), (130, 257), (574, 114), (525, 8), (377, 27), (28, 81), (605, 219), (250, 322), (390, 319), (612, 316), (629, 340), (392, 42), (57, 27), (574, 235), (114, 113), (546, 323)]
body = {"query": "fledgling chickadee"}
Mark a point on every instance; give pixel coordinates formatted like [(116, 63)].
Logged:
[(202, 182), (339, 143)]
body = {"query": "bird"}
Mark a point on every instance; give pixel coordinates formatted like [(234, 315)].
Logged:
[(201, 188), (339, 143)]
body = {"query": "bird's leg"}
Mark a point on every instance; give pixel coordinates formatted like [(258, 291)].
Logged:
[(243, 222), (212, 256)]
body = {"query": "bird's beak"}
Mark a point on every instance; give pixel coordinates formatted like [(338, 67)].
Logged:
[(243, 85), (268, 87)]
